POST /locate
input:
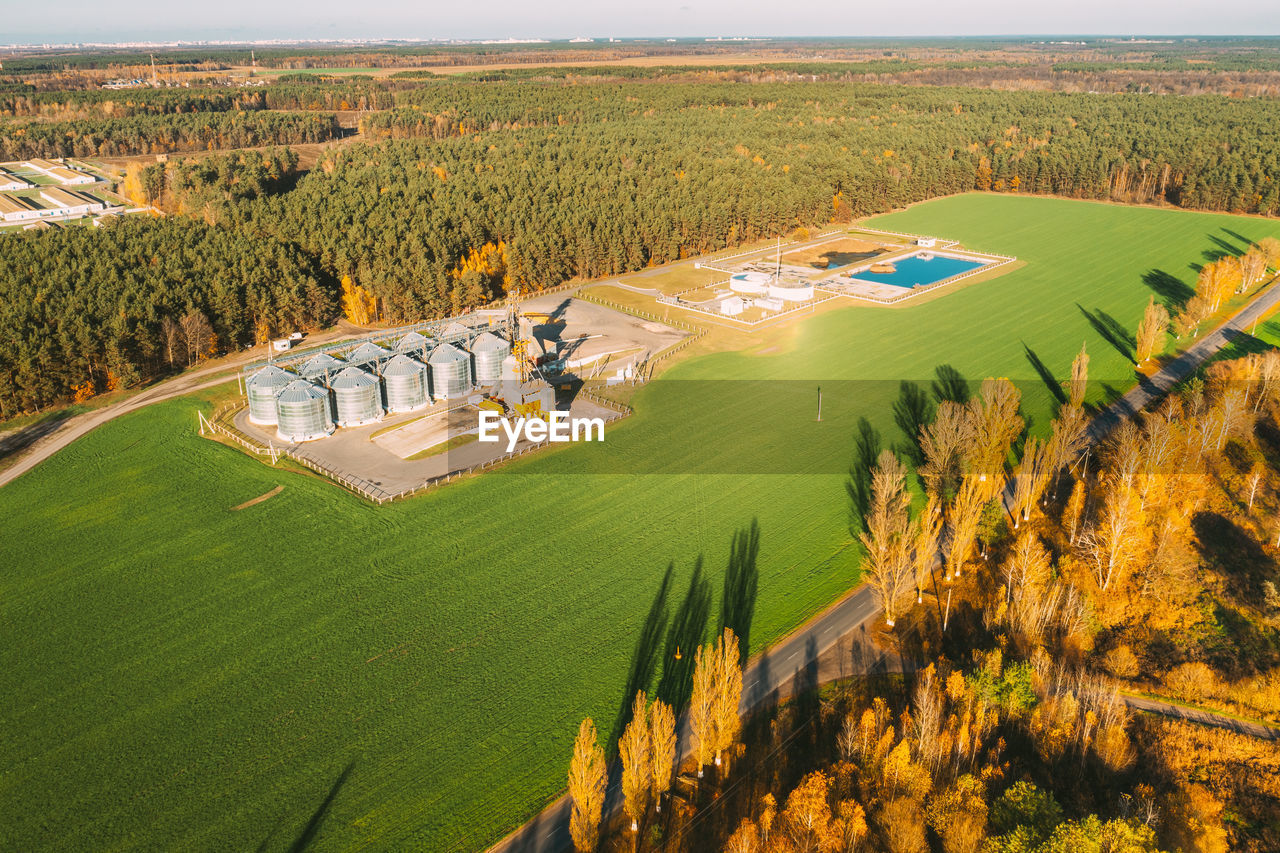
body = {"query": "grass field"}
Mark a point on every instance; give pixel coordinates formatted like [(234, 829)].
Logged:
[(178, 675)]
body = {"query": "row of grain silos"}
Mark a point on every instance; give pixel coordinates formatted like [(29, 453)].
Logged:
[(371, 381)]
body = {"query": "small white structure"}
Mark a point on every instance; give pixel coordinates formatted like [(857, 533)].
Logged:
[(926, 242), (768, 304), (281, 344), (732, 306)]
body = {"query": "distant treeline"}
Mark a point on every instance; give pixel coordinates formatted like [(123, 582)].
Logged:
[(291, 92), (154, 134)]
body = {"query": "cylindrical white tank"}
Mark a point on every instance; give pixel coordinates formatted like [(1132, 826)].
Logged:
[(261, 389), (489, 351), (404, 380), (303, 411), (357, 397), (450, 371)]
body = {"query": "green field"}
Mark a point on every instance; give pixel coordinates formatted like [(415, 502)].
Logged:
[(176, 675)]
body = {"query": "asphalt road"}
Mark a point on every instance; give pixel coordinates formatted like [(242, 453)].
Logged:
[(1204, 718)]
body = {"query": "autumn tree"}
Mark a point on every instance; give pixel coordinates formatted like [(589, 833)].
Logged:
[(888, 567), (635, 749), (197, 334), (1151, 330), (586, 788), (1079, 376), (357, 303), (662, 734), (717, 693)]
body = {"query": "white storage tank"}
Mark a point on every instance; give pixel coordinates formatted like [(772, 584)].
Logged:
[(303, 412), (415, 344), (261, 389), (750, 283), (405, 381), (489, 351), (357, 397), (450, 372)]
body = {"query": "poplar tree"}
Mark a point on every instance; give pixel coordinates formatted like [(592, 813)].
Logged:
[(662, 733), (887, 567), (636, 752), (586, 788), (1151, 330)]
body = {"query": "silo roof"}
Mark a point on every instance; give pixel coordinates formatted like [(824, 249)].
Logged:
[(300, 391), (413, 340), (446, 353), (352, 377), (367, 352), (319, 364), (402, 365), (270, 375), (455, 329), (487, 341)]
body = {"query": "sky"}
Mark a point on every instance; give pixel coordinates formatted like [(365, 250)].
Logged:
[(64, 21)]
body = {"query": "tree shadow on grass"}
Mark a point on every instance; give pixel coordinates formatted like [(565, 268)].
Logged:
[(741, 579), (1110, 330), (683, 639), (644, 659), (912, 412), (1046, 375), (312, 830), (1172, 290), (1224, 248), (950, 385)]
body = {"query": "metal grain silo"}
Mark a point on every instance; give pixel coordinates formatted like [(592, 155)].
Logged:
[(261, 389), (450, 371), (320, 366), (414, 343), (369, 354), (357, 397), (304, 412), (405, 381), (489, 351), (455, 331)]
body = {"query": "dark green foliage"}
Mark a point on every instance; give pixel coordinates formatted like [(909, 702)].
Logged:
[(78, 303), (149, 133)]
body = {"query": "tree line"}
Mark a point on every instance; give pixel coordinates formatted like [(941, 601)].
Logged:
[(110, 306), (155, 134)]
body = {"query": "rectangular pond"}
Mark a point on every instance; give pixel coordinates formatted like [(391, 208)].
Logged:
[(918, 269)]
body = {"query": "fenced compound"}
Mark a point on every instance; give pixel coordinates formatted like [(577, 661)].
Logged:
[(218, 425)]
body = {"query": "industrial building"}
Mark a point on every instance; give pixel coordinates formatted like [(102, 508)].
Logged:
[(9, 182), (70, 203), (15, 208), (60, 173), (356, 384)]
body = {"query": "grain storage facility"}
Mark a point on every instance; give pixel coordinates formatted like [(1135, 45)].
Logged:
[(357, 397), (405, 381), (261, 389), (303, 412), (450, 371), (489, 351)]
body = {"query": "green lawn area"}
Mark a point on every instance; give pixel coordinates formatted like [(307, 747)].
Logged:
[(180, 676)]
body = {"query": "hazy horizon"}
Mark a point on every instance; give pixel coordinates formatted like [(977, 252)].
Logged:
[(81, 21)]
